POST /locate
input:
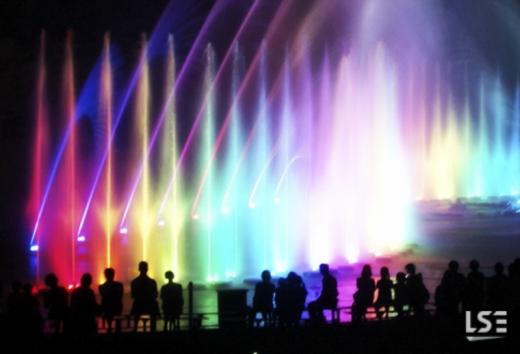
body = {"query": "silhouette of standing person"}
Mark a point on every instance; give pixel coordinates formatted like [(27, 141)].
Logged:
[(455, 283), (401, 297), (56, 299), (514, 287), (328, 298), (111, 292), (30, 315), (474, 291), (497, 289), (144, 293), (417, 292), (83, 307), (263, 297), (172, 302), (384, 294), (364, 296)]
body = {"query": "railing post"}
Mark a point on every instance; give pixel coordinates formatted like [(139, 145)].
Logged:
[(190, 305)]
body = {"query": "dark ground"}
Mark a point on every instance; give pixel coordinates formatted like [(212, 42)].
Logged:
[(409, 336)]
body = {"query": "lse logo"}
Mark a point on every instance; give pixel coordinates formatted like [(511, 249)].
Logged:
[(489, 325)]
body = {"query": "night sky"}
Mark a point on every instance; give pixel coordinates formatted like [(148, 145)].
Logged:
[(472, 29)]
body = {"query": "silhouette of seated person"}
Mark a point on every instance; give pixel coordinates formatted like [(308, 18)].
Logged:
[(384, 293), (474, 291), (328, 298), (30, 315), (14, 308), (144, 293), (497, 289), (417, 292), (83, 307), (111, 292), (263, 297), (401, 296), (295, 294), (364, 295), (172, 302), (280, 300), (55, 300)]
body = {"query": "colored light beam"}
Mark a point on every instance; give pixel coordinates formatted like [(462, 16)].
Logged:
[(106, 116)]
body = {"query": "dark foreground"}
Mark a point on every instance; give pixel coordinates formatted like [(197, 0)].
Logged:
[(392, 336)]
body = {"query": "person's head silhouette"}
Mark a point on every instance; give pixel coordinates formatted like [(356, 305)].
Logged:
[(266, 276), (410, 268), (169, 275), (453, 266), (366, 272), (324, 269), (143, 267), (86, 280), (385, 273), (474, 265), (110, 274), (51, 280)]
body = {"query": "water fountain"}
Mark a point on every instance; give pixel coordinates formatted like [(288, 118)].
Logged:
[(294, 156)]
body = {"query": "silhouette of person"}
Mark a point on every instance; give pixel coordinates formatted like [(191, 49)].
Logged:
[(418, 293), (30, 315), (497, 287), (442, 299), (364, 296), (328, 298), (401, 296), (474, 291), (83, 307), (263, 297), (384, 293), (514, 293), (296, 295), (111, 292), (281, 300), (144, 293), (55, 299), (172, 302), (453, 284)]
